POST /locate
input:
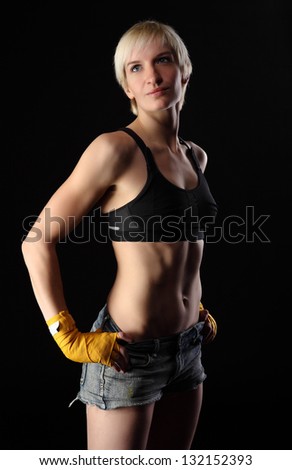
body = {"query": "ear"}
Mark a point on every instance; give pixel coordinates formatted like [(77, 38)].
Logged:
[(129, 93), (185, 80)]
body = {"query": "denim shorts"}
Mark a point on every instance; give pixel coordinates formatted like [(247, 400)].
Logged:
[(157, 366)]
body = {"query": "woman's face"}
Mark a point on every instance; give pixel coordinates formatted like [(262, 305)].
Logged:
[(153, 77)]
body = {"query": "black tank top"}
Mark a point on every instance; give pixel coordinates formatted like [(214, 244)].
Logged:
[(162, 211)]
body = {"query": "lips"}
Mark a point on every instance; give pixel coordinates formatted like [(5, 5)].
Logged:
[(157, 90)]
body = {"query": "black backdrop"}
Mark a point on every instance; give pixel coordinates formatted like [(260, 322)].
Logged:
[(61, 93)]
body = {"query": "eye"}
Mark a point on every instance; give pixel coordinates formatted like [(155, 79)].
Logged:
[(135, 68), (164, 59)]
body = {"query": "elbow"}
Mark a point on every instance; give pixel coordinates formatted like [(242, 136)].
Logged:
[(27, 248), (33, 238), (32, 247)]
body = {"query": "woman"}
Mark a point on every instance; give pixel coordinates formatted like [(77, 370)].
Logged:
[(142, 375)]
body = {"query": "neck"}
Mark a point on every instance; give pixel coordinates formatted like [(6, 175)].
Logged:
[(162, 132)]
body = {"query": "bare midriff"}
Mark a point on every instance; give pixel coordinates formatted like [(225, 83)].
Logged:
[(157, 289)]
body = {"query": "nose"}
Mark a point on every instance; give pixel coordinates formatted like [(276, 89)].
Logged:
[(153, 76)]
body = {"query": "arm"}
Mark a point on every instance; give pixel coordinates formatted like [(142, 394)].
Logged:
[(98, 168), (93, 175)]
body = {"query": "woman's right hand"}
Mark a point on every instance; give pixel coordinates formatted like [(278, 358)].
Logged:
[(96, 346), (120, 359)]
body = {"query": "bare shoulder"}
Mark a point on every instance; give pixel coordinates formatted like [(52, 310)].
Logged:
[(113, 149), (200, 154), (106, 158), (116, 140), (99, 168)]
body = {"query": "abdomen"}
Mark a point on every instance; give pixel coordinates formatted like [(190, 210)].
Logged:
[(157, 289)]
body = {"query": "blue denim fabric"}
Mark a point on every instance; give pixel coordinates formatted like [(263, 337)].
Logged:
[(158, 366)]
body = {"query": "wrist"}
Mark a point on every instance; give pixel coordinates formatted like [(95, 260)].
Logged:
[(62, 321)]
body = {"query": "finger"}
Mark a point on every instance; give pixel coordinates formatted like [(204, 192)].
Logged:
[(207, 337), (209, 330), (203, 314), (116, 366), (118, 362), (120, 359), (124, 337), (213, 324), (124, 359)]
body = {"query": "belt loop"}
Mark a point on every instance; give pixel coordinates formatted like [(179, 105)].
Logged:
[(156, 345), (179, 340), (104, 314)]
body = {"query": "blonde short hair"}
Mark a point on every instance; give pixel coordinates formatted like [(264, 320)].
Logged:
[(139, 35)]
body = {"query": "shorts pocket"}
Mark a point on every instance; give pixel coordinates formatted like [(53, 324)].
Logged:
[(193, 350), (139, 359)]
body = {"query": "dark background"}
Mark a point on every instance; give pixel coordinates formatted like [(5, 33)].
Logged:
[(61, 93)]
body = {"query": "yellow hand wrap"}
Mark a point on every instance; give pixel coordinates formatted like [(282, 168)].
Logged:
[(210, 328), (95, 346)]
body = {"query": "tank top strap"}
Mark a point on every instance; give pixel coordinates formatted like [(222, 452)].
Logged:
[(142, 146), (192, 153)]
